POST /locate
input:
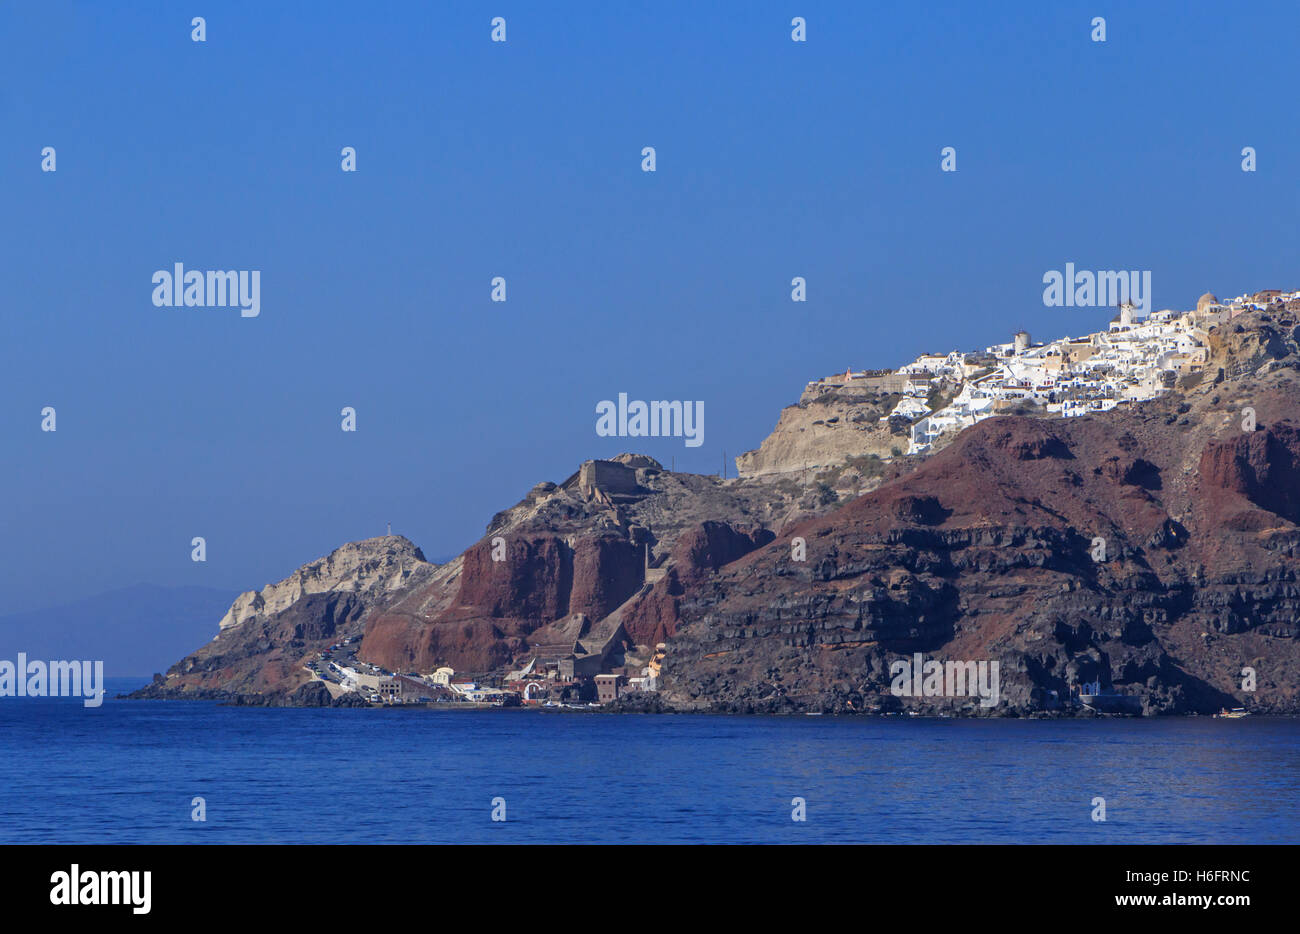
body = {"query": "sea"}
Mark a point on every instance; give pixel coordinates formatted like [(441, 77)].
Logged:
[(144, 772)]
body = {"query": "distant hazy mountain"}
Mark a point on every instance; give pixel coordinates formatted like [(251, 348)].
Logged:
[(135, 630)]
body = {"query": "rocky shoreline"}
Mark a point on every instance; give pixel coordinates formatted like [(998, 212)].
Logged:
[(1152, 550)]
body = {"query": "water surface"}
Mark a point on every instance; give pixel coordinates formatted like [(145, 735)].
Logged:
[(127, 772)]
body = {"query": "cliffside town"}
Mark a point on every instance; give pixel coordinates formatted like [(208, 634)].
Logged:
[(1132, 546), (923, 405)]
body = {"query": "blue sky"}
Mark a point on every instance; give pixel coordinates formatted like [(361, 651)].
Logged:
[(775, 159)]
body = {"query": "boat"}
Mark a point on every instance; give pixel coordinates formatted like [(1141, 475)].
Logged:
[(1236, 713)]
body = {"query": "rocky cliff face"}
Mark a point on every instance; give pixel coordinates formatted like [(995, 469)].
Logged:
[(989, 551), (1260, 466), (575, 550), (826, 430), (372, 568), (264, 639), (601, 542), (1154, 549), (653, 616), (539, 578)]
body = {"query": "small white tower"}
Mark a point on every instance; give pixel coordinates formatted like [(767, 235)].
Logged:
[(1126, 310), (1021, 342)]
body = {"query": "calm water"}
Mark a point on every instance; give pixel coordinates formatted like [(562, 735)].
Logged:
[(127, 772)]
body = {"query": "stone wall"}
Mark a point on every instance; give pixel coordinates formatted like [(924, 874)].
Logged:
[(606, 476)]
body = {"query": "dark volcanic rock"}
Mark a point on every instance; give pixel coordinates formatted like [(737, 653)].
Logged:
[(267, 637), (986, 552), (1154, 548), (700, 551), (704, 548), (311, 694)]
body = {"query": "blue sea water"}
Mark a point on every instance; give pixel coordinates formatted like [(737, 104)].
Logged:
[(128, 771)]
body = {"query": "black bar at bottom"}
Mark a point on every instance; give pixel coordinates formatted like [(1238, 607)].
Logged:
[(375, 885)]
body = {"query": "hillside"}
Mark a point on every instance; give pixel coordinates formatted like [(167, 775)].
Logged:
[(985, 550), (615, 536)]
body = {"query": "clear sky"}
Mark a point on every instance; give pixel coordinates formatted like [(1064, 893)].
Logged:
[(476, 159)]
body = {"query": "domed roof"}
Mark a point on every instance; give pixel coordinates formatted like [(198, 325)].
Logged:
[(1207, 299)]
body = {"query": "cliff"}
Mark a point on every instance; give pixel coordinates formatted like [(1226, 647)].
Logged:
[(371, 568), (826, 430), (264, 639), (588, 548), (607, 539), (987, 552)]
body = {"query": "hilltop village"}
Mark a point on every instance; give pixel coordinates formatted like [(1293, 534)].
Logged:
[(940, 394)]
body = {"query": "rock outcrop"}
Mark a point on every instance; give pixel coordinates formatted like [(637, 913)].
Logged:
[(373, 568), (618, 539), (826, 430), (538, 578), (653, 616), (589, 548), (1153, 549), (265, 638)]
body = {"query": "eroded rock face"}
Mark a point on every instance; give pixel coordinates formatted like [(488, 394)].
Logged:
[(540, 578), (265, 637), (607, 569), (823, 431), (597, 545), (533, 579), (1263, 466), (987, 551), (706, 547), (373, 567), (700, 551), (577, 547)]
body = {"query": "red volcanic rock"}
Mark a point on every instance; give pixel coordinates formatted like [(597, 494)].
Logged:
[(708, 546), (654, 617), (542, 577), (467, 642), (985, 551), (500, 603), (922, 510), (1263, 466), (1025, 440), (700, 551), (606, 571), (533, 580)]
